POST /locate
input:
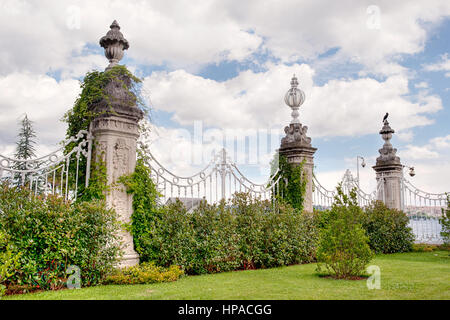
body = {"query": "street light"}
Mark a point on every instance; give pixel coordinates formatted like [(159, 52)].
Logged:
[(363, 164), (412, 173)]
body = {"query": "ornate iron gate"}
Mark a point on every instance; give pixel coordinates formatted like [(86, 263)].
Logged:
[(218, 180)]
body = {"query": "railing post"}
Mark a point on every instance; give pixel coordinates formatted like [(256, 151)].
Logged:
[(223, 171)]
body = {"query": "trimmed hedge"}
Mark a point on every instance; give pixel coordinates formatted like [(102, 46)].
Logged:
[(144, 273), (244, 233)]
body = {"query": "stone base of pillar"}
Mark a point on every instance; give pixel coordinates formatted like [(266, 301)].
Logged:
[(115, 139), (389, 180), (129, 260)]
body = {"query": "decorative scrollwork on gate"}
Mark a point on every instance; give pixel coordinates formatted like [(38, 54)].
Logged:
[(220, 179), (50, 174)]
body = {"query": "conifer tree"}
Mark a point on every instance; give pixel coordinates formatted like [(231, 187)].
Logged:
[(25, 148)]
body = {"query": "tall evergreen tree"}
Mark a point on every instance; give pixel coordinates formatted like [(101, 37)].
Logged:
[(25, 148)]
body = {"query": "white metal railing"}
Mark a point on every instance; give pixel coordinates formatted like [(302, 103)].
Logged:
[(50, 174), (220, 179), (423, 209)]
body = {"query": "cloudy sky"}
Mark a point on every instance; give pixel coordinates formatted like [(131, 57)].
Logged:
[(218, 70)]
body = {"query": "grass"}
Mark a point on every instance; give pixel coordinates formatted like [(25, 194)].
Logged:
[(403, 276)]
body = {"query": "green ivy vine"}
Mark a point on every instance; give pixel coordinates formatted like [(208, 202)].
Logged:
[(80, 116), (293, 181), (145, 205)]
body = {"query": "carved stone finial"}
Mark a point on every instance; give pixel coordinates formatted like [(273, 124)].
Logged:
[(387, 152), (296, 136), (294, 98), (114, 44)]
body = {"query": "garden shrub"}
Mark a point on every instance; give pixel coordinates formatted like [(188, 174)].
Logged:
[(343, 247), (424, 247), (8, 261), (144, 273), (387, 229), (52, 234), (243, 233)]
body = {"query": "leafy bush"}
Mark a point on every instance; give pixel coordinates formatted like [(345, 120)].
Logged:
[(445, 222), (343, 246), (52, 234), (8, 261), (387, 229), (144, 273), (243, 233)]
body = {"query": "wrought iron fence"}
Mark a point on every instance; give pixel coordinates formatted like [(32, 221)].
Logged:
[(220, 179), (50, 174), (423, 209)]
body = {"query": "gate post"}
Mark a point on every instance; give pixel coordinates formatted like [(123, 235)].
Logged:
[(296, 146), (115, 132), (389, 171)]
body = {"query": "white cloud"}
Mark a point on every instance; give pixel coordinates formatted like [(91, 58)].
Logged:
[(431, 163), (442, 65), (44, 36), (406, 136), (255, 100), (421, 85), (441, 142), (418, 153), (42, 98)]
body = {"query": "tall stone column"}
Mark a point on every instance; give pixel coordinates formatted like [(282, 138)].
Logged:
[(115, 132), (296, 145), (389, 171)]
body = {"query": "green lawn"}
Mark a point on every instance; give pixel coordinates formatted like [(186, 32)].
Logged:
[(403, 276)]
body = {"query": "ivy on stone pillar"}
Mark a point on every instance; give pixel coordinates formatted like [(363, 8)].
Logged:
[(116, 130)]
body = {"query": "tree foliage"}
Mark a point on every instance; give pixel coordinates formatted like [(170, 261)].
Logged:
[(81, 115), (343, 247), (25, 149)]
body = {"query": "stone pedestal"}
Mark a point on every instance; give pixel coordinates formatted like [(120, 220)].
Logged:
[(389, 172), (296, 147), (115, 133), (115, 142)]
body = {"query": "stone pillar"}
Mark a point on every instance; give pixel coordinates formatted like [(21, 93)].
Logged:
[(389, 171), (296, 145), (115, 133)]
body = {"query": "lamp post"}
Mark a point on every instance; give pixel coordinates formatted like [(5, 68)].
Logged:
[(363, 164), (412, 173)]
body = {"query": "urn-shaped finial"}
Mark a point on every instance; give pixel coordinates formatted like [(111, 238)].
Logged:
[(294, 98), (114, 44)]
